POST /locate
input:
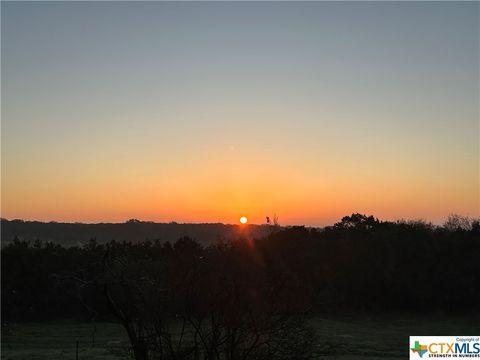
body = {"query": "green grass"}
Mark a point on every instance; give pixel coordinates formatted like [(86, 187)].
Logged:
[(343, 338), (383, 337), (56, 340)]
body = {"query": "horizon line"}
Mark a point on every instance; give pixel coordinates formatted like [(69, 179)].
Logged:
[(173, 222)]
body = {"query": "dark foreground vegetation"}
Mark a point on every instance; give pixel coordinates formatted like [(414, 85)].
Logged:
[(246, 299)]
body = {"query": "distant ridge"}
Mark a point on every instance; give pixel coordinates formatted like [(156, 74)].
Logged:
[(72, 234)]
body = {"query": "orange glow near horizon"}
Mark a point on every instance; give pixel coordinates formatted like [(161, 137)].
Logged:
[(215, 188)]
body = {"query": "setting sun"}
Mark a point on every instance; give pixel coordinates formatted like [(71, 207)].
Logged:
[(243, 220)]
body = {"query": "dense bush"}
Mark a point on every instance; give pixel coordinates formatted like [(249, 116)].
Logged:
[(359, 263), (247, 289)]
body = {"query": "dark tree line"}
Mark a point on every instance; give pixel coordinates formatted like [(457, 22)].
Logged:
[(133, 230), (246, 299)]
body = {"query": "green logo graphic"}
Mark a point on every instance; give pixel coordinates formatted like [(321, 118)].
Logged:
[(420, 349)]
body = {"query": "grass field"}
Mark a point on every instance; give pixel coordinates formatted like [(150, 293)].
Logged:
[(57, 340), (347, 338)]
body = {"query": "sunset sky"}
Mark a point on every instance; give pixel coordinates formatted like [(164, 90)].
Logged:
[(207, 111)]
